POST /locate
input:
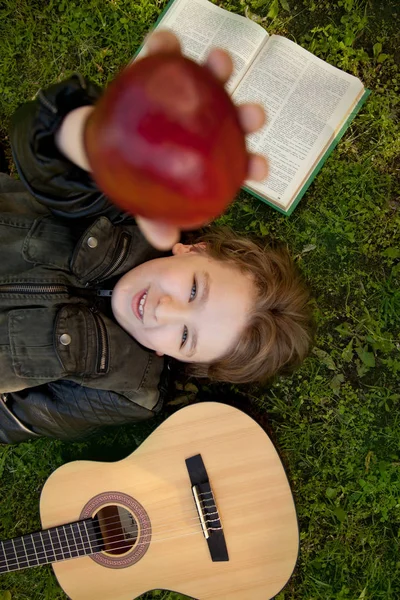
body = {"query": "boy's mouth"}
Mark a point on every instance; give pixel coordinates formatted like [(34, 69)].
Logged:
[(138, 302)]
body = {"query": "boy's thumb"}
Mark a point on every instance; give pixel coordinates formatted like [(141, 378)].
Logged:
[(160, 235)]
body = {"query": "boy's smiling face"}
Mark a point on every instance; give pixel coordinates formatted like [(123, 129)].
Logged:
[(188, 306)]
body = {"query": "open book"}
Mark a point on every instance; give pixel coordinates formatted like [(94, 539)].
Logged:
[(309, 103)]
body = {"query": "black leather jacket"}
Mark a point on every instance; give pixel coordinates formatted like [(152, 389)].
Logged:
[(66, 367)]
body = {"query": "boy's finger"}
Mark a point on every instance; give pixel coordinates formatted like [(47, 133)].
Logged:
[(252, 117), (220, 64), (162, 41), (159, 235), (258, 167)]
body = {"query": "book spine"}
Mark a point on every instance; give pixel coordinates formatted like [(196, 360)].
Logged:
[(160, 17)]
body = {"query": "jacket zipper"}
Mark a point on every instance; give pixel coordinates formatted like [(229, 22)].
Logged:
[(120, 253), (33, 288), (102, 340), (38, 288)]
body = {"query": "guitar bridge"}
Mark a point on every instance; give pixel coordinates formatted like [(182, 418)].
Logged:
[(207, 509)]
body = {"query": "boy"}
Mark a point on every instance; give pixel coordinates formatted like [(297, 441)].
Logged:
[(88, 308)]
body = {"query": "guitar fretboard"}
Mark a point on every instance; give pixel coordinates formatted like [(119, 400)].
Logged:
[(51, 545)]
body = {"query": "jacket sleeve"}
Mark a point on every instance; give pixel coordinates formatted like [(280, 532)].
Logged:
[(66, 411), (49, 176)]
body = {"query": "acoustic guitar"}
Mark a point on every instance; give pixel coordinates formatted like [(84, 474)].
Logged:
[(203, 507)]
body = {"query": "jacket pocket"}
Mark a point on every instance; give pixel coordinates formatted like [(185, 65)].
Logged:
[(31, 343), (95, 253), (81, 340), (106, 250), (49, 344), (49, 242)]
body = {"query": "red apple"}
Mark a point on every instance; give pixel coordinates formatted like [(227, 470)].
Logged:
[(165, 142)]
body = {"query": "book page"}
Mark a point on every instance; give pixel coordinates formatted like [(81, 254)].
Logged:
[(306, 101), (200, 25)]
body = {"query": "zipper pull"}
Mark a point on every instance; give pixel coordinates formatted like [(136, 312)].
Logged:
[(104, 293)]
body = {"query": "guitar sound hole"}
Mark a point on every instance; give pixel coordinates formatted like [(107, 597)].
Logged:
[(119, 529)]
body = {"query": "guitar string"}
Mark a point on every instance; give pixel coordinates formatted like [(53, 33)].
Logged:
[(153, 533), (142, 534), (107, 538), (165, 525), (26, 558), (93, 553)]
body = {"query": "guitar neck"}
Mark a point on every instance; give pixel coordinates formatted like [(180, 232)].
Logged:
[(51, 545)]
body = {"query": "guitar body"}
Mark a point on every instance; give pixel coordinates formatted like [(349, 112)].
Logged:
[(251, 492)]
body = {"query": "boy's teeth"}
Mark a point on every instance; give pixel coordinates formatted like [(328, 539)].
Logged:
[(141, 304)]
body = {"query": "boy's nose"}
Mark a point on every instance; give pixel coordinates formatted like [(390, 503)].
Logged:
[(169, 310)]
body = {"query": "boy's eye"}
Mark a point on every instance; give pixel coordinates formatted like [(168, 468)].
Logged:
[(193, 291), (184, 336)]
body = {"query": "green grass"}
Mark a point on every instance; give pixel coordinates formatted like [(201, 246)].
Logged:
[(336, 421)]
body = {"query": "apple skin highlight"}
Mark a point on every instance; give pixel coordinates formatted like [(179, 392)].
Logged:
[(164, 142)]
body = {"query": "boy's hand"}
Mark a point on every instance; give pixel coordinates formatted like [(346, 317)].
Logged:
[(252, 118), (69, 138)]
